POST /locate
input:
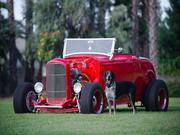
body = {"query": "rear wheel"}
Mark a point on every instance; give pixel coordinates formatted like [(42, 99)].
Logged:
[(156, 96), (23, 97), (92, 99)]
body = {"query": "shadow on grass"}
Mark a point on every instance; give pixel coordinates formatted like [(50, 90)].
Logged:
[(174, 109), (141, 109), (127, 109)]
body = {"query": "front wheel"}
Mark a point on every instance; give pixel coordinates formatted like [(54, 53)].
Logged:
[(156, 96), (23, 97), (92, 99)]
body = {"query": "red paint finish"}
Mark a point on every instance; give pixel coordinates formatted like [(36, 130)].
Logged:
[(59, 101), (139, 71)]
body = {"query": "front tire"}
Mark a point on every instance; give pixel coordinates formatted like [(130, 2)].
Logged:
[(23, 97), (92, 99), (156, 96)]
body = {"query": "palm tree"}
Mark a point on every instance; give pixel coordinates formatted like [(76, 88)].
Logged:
[(151, 23), (29, 64), (12, 48)]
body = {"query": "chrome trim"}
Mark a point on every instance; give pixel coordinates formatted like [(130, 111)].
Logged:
[(89, 38), (112, 49), (88, 53), (110, 54), (64, 49), (46, 106)]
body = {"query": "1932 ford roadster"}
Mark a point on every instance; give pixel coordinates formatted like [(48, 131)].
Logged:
[(75, 82)]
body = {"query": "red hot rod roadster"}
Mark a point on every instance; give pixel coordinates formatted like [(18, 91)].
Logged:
[(75, 82)]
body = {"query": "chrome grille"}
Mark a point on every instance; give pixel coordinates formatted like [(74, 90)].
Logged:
[(56, 81)]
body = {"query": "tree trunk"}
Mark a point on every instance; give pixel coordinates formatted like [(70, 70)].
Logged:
[(29, 71), (29, 64), (91, 13), (146, 18), (152, 33), (101, 17), (12, 48), (39, 74), (135, 28)]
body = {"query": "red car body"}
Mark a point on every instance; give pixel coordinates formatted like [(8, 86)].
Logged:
[(139, 71), (75, 83)]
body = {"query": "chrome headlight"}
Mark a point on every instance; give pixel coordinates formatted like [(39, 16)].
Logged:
[(38, 87), (77, 87)]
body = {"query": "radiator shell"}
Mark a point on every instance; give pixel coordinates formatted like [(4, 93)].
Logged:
[(56, 81)]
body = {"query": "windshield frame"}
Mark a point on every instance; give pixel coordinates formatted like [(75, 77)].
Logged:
[(88, 39)]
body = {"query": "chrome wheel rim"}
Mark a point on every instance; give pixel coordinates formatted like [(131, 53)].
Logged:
[(162, 99), (97, 101), (29, 98)]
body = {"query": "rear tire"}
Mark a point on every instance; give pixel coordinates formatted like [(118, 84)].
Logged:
[(156, 96), (92, 99), (22, 98)]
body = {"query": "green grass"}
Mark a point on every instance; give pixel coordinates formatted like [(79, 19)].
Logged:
[(124, 122)]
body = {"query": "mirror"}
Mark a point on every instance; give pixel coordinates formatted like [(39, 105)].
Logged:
[(118, 51)]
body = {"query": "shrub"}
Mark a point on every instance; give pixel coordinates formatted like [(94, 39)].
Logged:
[(170, 66), (177, 62), (174, 89), (46, 45)]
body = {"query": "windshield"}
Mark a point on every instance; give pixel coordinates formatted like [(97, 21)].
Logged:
[(103, 46)]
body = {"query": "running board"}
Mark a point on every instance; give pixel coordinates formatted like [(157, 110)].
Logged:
[(48, 106)]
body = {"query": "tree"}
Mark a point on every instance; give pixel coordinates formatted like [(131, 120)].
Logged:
[(169, 31), (127, 3), (4, 31), (30, 48), (152, 37), (144, 22), (138, 11), (103, 6), (135, 28), (143, 32), (7, 29), (57, 16), (169, 40), (93, 18), (120, 27), (12, 48)]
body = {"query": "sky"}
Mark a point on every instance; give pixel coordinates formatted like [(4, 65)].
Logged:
[(18, 8), (19, 4), (164, 5)]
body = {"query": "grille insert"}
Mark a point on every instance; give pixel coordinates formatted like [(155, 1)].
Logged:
[(56, 81)]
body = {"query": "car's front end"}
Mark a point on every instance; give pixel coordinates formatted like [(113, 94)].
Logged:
[(57, 90), (65, 78)]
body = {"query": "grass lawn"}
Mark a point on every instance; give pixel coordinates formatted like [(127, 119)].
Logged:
[(124, 122)]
